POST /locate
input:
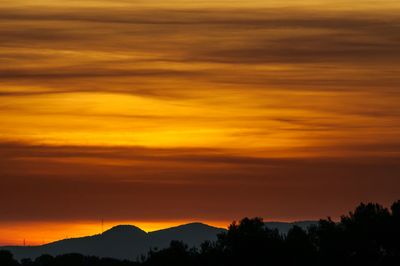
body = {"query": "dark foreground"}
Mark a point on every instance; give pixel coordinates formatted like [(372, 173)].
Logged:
[(368, 236)]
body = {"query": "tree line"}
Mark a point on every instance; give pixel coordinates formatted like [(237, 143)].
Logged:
[(368, 236)]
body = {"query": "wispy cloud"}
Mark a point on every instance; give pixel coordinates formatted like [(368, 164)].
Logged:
[(116, 183)]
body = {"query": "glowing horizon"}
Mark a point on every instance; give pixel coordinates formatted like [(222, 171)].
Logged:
[(40, 233)]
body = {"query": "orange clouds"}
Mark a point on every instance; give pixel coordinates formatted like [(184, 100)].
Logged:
[(206, 110), (198, 78)]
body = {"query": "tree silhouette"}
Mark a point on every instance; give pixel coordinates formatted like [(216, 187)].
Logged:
[(300, 249), (177, 254), (250, 243), (7, 258)]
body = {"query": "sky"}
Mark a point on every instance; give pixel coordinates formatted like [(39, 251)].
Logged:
[(157, 113)]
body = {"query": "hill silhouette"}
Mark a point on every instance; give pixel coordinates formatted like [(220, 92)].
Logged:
[(122, 242), (130, 242), (284, 227)]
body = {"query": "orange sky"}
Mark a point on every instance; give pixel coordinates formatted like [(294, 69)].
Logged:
[(160, 112), (16, 233)]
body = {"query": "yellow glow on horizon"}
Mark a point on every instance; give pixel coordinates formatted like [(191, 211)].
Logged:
[(39, 233)]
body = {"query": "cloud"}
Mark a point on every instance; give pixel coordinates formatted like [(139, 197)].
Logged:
[(348, 50), (50, 74), (141, 183)]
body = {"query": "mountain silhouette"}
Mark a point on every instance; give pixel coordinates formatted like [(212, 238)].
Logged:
[(192, 234), (284, 227), (130, 242), (121, 242)]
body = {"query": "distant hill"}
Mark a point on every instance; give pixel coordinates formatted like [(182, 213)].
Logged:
[(130, 242), (192, 234), (284, 227), (122, 242)]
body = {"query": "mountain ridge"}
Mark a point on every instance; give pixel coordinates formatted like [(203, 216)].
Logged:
[(130, 242), (121, 242)]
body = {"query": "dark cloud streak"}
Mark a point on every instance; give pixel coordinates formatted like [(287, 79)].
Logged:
[(198, 186)]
